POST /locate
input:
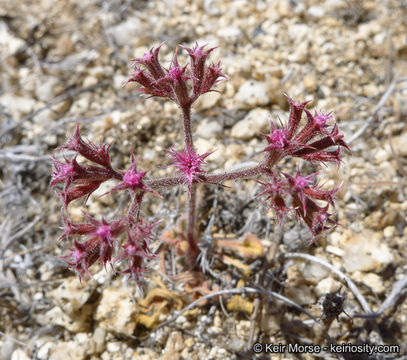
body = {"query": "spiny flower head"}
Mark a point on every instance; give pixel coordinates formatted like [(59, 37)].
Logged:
[(136, 249), (133, 179), (275, 191), (289, 140), (302, 194), (98, 154), (316, 216), (83, 256), (181, 84), (189, 164)]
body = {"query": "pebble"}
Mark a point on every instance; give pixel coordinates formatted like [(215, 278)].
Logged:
[(255, 123), (64, 45), (209, 129), (116, 310), (310, 83), (399, 144), (366, 252), (252, 94), (19, 354), (314, 272), (316, 12), (207, 101), (301, 294), (371, 280), (326, 286), (130, 32), (71, 295), (230, 34), (17, 105), (9, 44)]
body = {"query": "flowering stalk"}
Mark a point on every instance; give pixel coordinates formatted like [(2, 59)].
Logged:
[(318, 141)]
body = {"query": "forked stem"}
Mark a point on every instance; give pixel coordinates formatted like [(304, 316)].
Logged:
[(191, 227)]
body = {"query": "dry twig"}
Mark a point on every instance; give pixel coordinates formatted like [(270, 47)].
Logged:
[(399, 289), (351, 285), (239, 291), (376, 110)]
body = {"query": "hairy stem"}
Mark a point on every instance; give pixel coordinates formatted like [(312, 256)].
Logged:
[(191, 230), (136, 200), (186, 112), (169, 182)]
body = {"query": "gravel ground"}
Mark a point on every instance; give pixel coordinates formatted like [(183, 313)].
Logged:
[(65, 61)]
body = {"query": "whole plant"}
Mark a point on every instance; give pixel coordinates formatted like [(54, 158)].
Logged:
[(126, 240)]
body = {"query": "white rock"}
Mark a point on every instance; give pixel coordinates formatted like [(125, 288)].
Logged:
[(209, 129), (389, 231), (76, 322), (17, 105), (45, 88), (203, 146), (71, 350), (366, 252), (334, 5), (119, 80), (7, 349), (381, 155), (371, 280), (132, 31), (19, 355), (43, 352), (302, 294), (9, 44), (44, 118), (314, 272), (207, 101), (334, 250), (99, 338), (71, 295), (211, 7), (253, 124), (316, 11), (325, 286), (113, 347), (399, 144), (116, 310), (231, 34), (251, 94)]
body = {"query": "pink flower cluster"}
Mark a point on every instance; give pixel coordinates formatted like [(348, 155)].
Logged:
[(317, 141), (183, 85), (101, 237)]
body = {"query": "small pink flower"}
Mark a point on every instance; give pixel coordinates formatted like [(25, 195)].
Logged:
[(83, 255), (189, 164), (133, 180), (299, 184), (136, 250), (77, 192), (98, 154), (151, 62), (213, 75), (312, 142), (198, 58), (275, 191), (176, 78), (316, 217)]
